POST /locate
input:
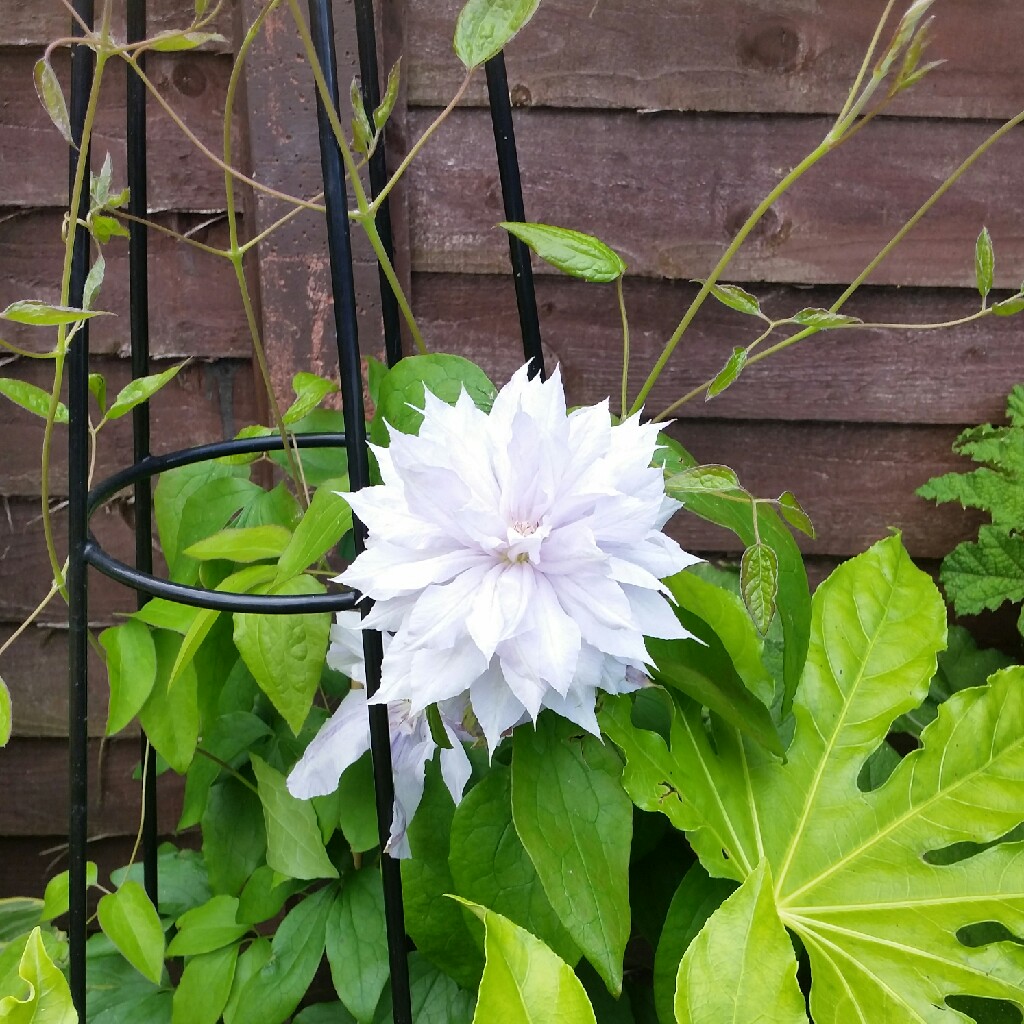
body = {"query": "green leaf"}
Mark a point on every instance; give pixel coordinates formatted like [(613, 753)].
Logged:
[(163, 614), (318, 464), (103, 228), (32, 399), (387, 104), (759, 584), (362, 133), (981, 575), (234, 835), (741, 966), (701, 479), (490, 865), (131, 670), (401, 391), (98, 390), (286, 653), (170, 715), (728, 374), (1009, 307), (357, 943), (323, 524), (93, 282), (140, 390), (181, 879), (264, 895), (274, 507), (310, 390), (294, 846), (854, 873), (324, 1013), (984, 263), (6, 717), (174, 42), (697, 898), (572, 252), (823, 319), (205, 984), (357, 810), (434, 923), (485, 27), (576, 823), (436, 999), (524, 982), (792, 511), (737, 298), (130, 921), (298, 946), (18, 914), (248, 544), (56, 897), (48, 1000), (250, 963), (43, 314), (52, 97), (208, 927)]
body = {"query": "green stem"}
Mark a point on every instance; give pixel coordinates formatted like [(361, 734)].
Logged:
[(625, 345)]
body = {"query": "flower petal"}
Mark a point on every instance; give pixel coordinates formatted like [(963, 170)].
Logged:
[(341, 741)]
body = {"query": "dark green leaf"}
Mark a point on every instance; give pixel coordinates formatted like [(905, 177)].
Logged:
[(981, 575), (792, 511), (294, 846), (318, 464), (576, 823), (485, 27), (759, 584), (170, 715), (139, 390), (131, 671), (436, 999), (357, 944), (984, 263), (182, 881), (234, 836), (32, 399), (264, 895), (737, 298), (130, 921), (18, 914), (572, 252), (728, 374), (356, 809), (701, 479)]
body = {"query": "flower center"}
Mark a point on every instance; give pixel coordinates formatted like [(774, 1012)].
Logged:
[(524, 529)]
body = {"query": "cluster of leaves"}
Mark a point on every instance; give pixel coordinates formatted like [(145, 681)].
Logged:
[(984, 574)]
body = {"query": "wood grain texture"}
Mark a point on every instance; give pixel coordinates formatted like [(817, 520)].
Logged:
[(195, 308), (36, 24), (35, 789), (33, 156), (883, 376), (670, 191), (205, 402), (35, 668), (788, 56)]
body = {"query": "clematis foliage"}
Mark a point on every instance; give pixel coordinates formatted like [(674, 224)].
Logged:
[(858, 876)]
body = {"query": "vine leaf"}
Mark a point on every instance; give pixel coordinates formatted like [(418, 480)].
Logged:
[(759, 584), (5, 714), (984, 263), (130, 921), (572, 252), (728, 373), (486, 27), (52, 97), (856, 875)]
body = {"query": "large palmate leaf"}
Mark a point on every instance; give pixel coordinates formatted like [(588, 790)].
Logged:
[(853, 876)]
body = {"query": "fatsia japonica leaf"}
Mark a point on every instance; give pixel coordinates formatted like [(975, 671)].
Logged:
[(855, 875)]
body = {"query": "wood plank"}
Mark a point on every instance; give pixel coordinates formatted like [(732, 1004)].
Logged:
[(35, 668), (205, 402), (882, 376), (670, 191), (788, 56), (195, 308), (35, 24), (33, 156), (35, 803)]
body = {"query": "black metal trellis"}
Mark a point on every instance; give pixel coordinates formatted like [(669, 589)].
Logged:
[(83, 549)]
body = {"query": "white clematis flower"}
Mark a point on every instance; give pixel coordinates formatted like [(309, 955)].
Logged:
[(516, 557), (345, 737)]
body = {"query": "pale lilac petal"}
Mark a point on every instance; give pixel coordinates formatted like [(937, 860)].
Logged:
[(496, 707), (408, 760), (656, 614), (455, 767), (341, 741), (577, 705)]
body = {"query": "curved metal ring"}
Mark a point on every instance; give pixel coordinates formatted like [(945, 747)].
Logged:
[(200, 597)]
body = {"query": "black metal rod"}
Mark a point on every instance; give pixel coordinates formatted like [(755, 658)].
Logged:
[(369, 76), (82, 73), (343, 286), (515, 210), (138, 315)]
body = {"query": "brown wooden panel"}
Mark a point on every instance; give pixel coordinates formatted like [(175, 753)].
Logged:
[(35, 800), (35, 668), (33, 156), (205, 402), (790, 56), (195, 308), (670, 191), (951, 376), (31, 23)]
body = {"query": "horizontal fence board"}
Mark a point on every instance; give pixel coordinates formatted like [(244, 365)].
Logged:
[(205, 402), (28, 23), (788, 56), (194, 303), (35, 667), (880, 376), (35, 803), (34, 157), (669, 193)]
